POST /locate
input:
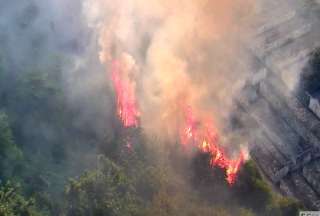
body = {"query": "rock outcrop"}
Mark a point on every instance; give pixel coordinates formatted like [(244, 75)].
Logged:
[(287, 144)]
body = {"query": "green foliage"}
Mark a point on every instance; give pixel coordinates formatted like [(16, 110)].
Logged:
[(37, 87), (282, 206), (245, 212), (9, 152), (106, 191), (37, 120), (144, 190), (6, 139), (178, 202), (251, 182), (260, 197), (12, 203)]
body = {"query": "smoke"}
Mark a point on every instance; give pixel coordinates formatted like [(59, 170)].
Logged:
[(53, 37), (47, 49), (286, 36), (174, 54), (185, 54)]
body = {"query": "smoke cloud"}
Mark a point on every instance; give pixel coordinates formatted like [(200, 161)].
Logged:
[(185, 54), (174, 55)]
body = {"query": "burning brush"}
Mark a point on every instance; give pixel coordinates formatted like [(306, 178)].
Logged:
[(125, 95), (197, 134), (204, 137), (184, 51)]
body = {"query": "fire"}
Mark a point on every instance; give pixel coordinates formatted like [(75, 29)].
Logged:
[(189, 132), (125, 95), (196, 133), (207, 138)]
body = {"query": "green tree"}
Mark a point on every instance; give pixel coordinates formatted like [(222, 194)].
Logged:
[(105, 191), (260, 197), (10, 154), (12, 203)]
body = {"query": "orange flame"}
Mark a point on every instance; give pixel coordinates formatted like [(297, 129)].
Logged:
[(195, 134), (207, 139), (126, 102)]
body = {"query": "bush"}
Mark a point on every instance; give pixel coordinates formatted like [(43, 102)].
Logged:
[(106, 191), (260, 196), (10, 154), (12, 203)]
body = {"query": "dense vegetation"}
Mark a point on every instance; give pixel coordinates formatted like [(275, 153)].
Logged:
[(54, 162), (35, 167), (63, 151)]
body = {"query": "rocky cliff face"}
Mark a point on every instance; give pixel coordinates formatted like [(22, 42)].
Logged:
[(287, 144)]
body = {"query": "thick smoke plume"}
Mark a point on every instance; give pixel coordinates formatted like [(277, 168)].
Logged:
[(178, 54)]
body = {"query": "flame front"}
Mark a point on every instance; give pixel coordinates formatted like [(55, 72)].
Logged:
[(175, 52), (205, 138), (196, 133), (125, 95)]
